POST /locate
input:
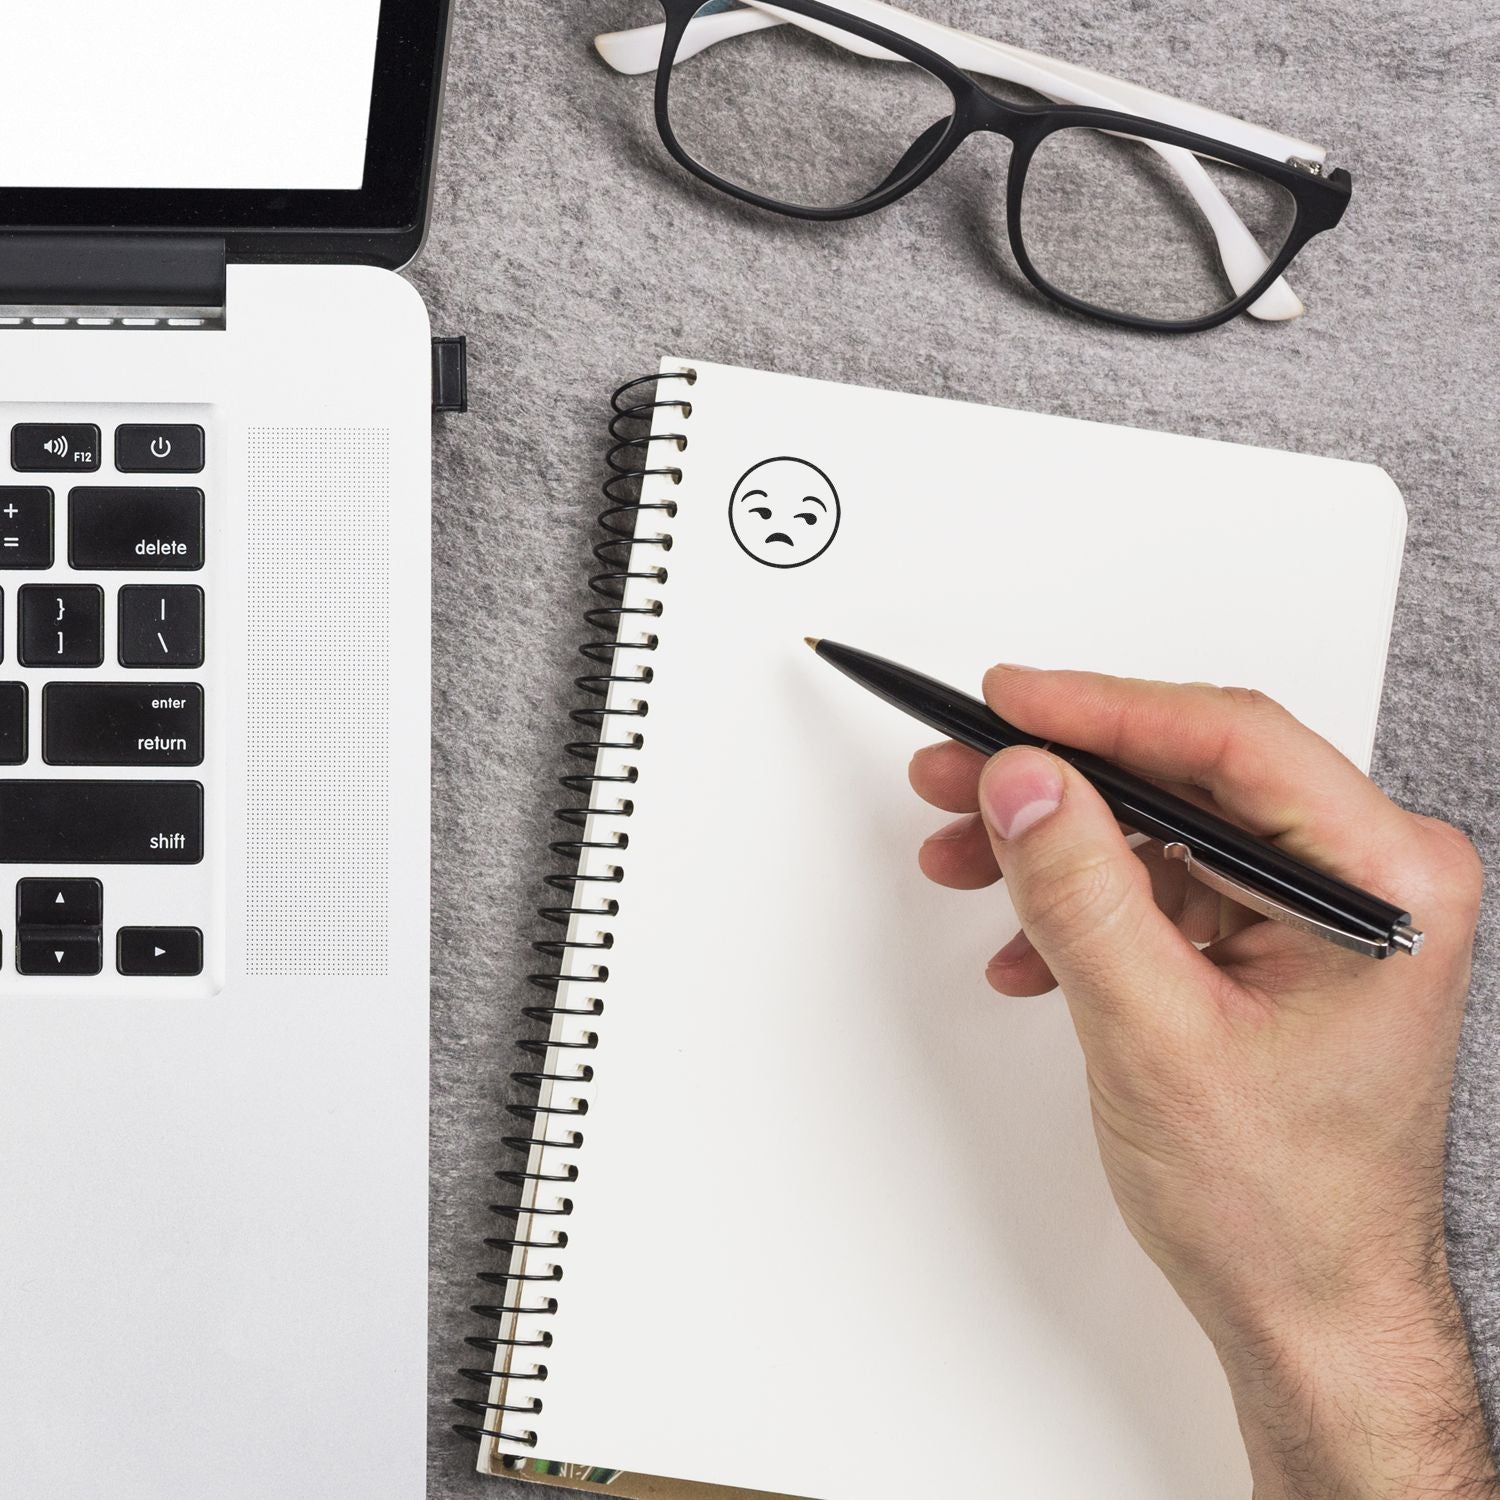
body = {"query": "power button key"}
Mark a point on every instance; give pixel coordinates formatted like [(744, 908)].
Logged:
[(155, 448)]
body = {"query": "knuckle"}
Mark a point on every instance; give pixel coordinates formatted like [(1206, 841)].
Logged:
[(1433, 866), (1463, 870), (1255, 716), (1075, 897), (1253, 700), (1242, 760)]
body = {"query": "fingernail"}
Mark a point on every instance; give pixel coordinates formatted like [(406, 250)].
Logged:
[(1011, 666), (1013, 952), (1018, 790), (954, 830)]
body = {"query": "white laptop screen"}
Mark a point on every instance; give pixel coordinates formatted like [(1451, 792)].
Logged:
[(186, 94)]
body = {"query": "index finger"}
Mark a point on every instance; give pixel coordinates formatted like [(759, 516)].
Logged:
[(1265, 770)]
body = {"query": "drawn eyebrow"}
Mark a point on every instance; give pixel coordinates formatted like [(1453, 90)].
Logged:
[(751, 494), (813, 500)]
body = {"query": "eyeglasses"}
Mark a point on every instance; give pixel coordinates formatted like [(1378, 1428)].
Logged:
[(1121, 203)]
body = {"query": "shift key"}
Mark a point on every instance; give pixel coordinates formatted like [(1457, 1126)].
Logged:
[(137, 528), (101, 822)]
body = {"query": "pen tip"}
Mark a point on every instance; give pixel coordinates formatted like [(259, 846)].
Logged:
[(812, 641)]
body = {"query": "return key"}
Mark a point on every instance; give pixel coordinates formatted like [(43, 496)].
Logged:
[(122, 724)]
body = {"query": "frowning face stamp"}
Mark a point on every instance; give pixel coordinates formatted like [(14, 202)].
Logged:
[(784, 512)]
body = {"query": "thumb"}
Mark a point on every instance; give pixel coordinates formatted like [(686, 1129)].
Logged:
[(1083, 897)]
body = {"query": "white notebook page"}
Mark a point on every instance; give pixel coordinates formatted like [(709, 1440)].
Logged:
[(840, 1221)]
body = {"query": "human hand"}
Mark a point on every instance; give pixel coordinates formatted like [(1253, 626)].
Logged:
[(1270, 1110)]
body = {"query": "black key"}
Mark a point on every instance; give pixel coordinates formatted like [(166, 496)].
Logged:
[(60, 950), (159, 950), (158, 449), (59, 903), (135, 528), (122, 724), (62, 625), (50, 447), (101, 822), (13, 746), (25, 526), (161, 626)]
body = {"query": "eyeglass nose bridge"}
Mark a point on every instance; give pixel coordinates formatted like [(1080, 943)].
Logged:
[(981, 112), (975, 112)]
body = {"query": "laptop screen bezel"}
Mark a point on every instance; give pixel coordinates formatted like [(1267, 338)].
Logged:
[(379, 223)]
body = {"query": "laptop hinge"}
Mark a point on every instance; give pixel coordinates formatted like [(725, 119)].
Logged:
[(450, 373), (111, 280)]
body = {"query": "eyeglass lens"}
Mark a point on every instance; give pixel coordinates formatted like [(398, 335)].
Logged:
[(789, 116), (1136, 227)]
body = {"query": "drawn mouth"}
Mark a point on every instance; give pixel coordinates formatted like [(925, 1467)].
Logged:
[(778, 536)]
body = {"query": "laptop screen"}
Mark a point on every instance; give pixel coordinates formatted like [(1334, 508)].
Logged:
[(294, 129), (186, 93)]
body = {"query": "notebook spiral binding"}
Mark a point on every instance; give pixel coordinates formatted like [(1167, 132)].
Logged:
[(532, 1225)]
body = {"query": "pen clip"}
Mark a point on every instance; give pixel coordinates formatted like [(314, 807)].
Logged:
[(1268, 906)]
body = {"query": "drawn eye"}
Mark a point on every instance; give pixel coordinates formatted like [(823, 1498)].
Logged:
[(808, 516), (762, 511)]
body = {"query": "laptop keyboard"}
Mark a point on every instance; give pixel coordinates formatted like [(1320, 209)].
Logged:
[(108, 760)]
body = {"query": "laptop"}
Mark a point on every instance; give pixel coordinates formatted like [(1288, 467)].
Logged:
[(215, 440)]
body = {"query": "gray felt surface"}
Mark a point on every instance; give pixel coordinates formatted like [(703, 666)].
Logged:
[(573, 254)]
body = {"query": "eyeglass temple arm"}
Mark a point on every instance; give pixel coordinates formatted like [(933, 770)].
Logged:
[(638, 51)]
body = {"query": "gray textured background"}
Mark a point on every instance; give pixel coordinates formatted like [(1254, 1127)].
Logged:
[(573, 254)]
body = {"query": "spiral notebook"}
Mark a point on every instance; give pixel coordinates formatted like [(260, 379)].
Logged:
[(805, 1209)]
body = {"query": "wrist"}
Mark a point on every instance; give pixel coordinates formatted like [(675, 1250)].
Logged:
[(1374, 1399)]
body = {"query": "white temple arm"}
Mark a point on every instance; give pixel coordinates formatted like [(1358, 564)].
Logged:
[(638, 51)]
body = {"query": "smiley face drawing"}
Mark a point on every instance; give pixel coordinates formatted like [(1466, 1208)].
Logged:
[(784, 512)]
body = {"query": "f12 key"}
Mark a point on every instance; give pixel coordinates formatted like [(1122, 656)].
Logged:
[(52, 447)]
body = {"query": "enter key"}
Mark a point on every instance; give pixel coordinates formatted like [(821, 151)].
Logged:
[(122, 724)]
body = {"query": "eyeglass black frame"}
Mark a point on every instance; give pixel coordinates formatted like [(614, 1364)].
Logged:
[(1319, 200)]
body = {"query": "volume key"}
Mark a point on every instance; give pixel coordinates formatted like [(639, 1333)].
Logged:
[(54, 447)]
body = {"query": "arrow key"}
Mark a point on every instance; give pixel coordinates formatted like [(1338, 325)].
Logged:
[(159, 951), (57, 950), (59, 903)]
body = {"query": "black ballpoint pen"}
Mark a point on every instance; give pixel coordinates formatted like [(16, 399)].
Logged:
[(1239, 865)]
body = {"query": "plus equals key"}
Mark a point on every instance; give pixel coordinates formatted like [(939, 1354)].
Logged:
[(25, 526)]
